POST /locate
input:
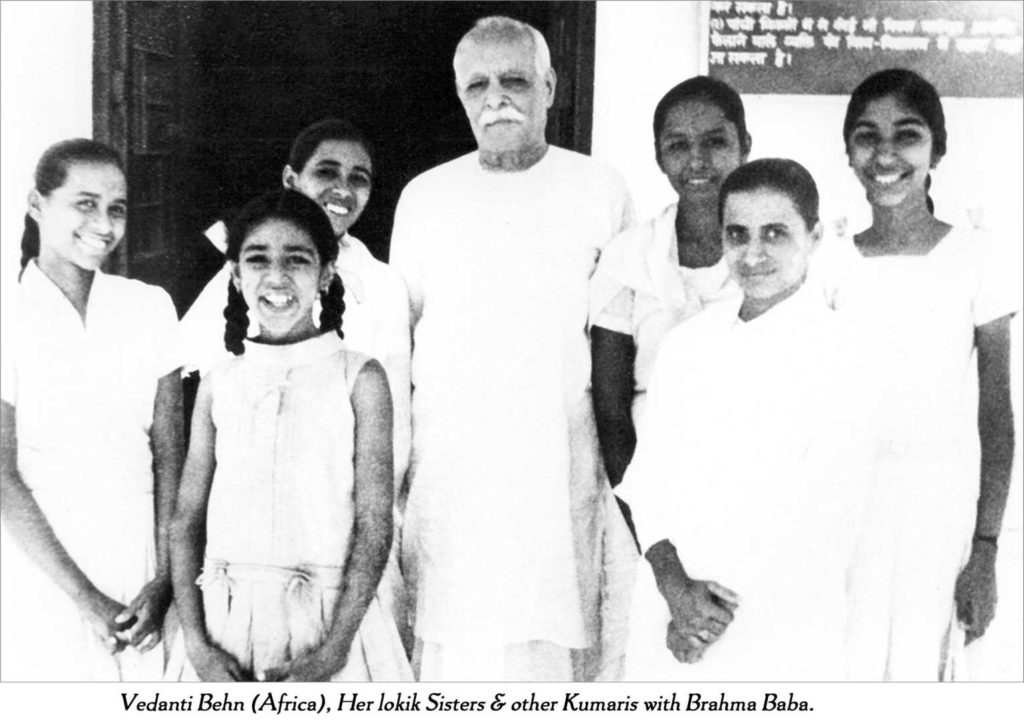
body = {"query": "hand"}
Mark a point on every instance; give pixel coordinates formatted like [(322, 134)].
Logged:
[(101, 612), (213, 664), (317, 665), (688, 648), (140, 621), (975, 593), (701, 612)]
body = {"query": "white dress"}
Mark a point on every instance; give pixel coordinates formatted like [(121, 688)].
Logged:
[(507, 502), (639, 289), (83, 395), (917, 316), (281, 510), (752, 462), (375, 323)]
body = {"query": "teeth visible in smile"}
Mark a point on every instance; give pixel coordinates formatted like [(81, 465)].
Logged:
[(94, 242), (699, 181), (277, 300), (337, 210), (887, 179)]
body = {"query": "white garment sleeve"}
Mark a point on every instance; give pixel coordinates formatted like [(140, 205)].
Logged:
[(166, 337), (396, 361), (405, 254), (998, 292), (617, 314), (649, 485)]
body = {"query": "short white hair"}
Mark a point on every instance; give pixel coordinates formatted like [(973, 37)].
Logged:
[(506, 29)]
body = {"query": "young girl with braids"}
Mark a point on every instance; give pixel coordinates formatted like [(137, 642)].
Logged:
[(285, 503), (90, 438)]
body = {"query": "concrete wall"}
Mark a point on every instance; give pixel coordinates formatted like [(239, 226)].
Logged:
[(46, 86)]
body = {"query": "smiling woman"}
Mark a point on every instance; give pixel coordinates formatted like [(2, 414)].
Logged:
[(664, 271), (76, 454), (933, 301), (748, 475), (770, 228)]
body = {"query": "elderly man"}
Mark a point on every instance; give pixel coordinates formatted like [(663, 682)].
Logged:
[(508, 503)]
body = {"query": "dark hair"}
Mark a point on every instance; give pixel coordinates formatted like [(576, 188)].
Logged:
[(307, 141), (710, 90), (911, 90), (777, 174), (295, 208), (52, 172)]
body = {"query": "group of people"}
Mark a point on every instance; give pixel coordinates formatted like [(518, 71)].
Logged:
[(405, 471)]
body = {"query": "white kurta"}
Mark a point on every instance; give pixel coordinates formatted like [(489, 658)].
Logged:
[(917, 317), (506, 503), (752, 462), (639, 289), (83, 396)]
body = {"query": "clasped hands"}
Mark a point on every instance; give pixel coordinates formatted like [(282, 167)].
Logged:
[(138, 624)]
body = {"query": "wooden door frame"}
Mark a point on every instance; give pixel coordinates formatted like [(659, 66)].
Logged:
[(575, 23), (111, 107), (570, 32)]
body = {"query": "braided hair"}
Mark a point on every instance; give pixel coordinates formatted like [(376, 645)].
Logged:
[(52, 172), (295, 208)]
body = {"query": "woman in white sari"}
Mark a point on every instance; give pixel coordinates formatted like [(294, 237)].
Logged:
[(749, 467)]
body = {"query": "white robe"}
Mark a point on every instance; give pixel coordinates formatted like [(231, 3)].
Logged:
[(506, 507), (752, 462), (916, 316)]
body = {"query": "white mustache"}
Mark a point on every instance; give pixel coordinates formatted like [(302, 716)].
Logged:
[(487, 117)]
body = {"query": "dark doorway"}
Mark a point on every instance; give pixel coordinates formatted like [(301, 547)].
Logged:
[(204, 98)]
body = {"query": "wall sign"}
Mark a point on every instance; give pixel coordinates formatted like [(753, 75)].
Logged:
[(966, 49)]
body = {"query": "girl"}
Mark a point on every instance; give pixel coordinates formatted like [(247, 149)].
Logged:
[(648, 280), (662, 272), (926, 296), (286, 496), (91, 433)]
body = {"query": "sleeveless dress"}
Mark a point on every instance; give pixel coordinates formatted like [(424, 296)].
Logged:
[(281, 510)]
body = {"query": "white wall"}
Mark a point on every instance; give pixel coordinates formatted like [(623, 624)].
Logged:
[(45, 96)]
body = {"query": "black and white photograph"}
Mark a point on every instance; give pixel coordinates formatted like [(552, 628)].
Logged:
[(609, 356)]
